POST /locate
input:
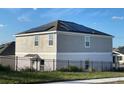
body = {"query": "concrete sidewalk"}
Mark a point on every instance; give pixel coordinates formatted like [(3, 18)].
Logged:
[(92, 81)]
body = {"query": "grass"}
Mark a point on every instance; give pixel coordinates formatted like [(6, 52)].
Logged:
[(13, 77)]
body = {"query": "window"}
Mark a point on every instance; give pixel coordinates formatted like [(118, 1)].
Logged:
[(36, 42), (119, 57), (42, 65), (87, 41), (50, 39), (42, 62)]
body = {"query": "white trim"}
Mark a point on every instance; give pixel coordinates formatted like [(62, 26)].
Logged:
[(76, 33), (68, 53), (63, 32), (37, 33)]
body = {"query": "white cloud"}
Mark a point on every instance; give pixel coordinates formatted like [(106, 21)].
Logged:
[(118, 17), (2, 25), (23, 19)]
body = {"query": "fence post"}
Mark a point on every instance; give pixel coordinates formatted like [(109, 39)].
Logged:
[(31, 64), (102, 66), (81, 65), (53, 64), (91, 65), (68, 65), (37, 65), (0, 59), (16, 63)]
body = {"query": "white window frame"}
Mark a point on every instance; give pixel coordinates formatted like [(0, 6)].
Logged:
[(50, 39), (87, 39), (36, 39)]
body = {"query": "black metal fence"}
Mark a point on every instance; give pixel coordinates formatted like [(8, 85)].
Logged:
[(18, 63), (85, 65), (119, 66)]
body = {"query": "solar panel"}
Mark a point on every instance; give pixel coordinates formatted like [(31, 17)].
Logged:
[(60, 25)]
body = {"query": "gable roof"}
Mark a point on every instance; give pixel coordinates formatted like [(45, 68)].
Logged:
[(119, 50), (65, 26), (7, 49)]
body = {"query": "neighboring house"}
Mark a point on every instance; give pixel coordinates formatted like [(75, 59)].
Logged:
[(7, 55), (63, 40), (118, 55), (7, 49)]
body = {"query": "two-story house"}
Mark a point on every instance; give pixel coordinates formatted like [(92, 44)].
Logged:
[(63, 40)]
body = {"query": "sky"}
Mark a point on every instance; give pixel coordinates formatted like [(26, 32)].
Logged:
[(108, 20)]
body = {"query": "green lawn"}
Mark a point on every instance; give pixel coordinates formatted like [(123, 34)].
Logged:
[(44, 77)]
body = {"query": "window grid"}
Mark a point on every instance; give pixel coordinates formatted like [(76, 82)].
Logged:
[(50, 37), (87, 41)]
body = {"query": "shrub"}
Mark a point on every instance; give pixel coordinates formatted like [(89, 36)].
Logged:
[(74, 69), (120, 69), (71, 69), (63, 69), (4, 68)]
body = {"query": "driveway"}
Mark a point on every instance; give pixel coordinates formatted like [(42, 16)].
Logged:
[(91, 81)]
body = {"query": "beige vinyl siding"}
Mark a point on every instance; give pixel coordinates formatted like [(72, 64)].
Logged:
[(25, 44)]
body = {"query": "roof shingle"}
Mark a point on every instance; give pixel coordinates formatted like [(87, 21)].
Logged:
[(7, 49)]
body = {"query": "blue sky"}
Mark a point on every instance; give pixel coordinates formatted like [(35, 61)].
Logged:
[(107, 20)]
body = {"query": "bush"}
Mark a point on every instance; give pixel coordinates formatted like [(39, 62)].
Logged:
[(71, 69), (121, 69), (63, 69), (4, 68), (74, 69)]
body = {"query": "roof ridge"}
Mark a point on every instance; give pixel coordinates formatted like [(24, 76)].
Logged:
[(57, 24)]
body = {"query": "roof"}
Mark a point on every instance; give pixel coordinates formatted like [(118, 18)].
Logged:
[(65, 26), (120, 50), (7, 49), (33, 56)]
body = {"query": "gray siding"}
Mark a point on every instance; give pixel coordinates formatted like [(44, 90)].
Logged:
[(75, 43)]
